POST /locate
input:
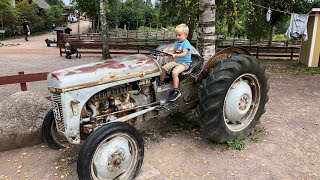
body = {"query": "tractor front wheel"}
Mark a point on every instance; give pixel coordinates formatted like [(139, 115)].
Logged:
[(232, 98), (113, 151), (50, 133)]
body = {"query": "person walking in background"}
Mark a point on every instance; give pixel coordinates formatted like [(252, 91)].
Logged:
[(26, 30), (53, 28)]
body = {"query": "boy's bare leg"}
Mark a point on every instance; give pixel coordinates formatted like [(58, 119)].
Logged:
[(175, 80), (163, 75)]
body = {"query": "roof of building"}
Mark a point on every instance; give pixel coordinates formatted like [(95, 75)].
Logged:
[(42, 4), (315, 11)]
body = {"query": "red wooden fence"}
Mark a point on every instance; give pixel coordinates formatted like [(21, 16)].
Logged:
[(23, 79)]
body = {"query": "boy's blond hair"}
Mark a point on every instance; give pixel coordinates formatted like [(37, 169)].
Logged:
[(182, 28)]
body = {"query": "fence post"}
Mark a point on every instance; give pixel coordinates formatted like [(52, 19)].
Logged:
[(60, 48), (138, 49), (164, 36), (127, 40), (291, 53), (23, 85), (258, 48)]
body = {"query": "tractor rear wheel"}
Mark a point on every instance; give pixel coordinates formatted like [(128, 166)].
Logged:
[(233, 98)]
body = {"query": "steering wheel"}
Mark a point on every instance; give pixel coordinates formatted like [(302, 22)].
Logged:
[(156, 52)]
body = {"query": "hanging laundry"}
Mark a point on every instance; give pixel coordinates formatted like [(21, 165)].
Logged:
[(298, 26), (268, 16)]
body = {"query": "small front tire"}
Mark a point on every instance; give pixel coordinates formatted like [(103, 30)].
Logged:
[(113, 151), (51, 136)]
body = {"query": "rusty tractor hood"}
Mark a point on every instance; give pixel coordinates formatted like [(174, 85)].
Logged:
[(111, 70)]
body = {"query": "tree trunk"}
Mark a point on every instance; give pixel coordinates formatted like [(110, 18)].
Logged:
[(104, 33), (206, 32), (270, 35), (191, 24)]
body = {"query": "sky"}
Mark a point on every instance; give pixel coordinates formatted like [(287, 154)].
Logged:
[(67, 2)]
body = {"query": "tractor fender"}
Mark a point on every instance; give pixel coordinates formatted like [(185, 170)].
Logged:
[(220, 56)]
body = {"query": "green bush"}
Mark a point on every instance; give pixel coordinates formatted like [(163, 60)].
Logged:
[(39, 21), (29, 12), (54, 16), (9, 17), (279, 37)]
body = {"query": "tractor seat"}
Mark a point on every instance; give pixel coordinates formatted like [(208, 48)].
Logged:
[(196, 60)]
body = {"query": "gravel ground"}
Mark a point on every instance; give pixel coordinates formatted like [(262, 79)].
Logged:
[(287, 148)]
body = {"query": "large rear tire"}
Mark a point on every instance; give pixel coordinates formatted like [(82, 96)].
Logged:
[(233, 98), (113, 151)]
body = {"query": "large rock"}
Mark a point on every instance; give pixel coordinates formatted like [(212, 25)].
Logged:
[(21, 117)]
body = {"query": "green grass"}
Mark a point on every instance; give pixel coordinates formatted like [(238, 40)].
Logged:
[(239, 145), (257, 134), (289, 67), (236, 145), (230, 145), (148, 29), (279, 37)]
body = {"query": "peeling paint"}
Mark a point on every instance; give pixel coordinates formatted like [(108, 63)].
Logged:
[(107, 71), (55, 75)]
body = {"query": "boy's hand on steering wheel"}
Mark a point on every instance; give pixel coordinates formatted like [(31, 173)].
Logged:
[(172, 54)]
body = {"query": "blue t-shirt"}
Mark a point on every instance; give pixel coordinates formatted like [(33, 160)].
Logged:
[(178, 49)]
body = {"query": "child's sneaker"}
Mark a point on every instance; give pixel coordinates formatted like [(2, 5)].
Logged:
[(160, 83), (174, 95)]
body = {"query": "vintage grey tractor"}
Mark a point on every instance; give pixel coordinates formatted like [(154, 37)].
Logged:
[(101, 104)]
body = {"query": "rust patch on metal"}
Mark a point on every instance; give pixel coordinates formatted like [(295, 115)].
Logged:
[(55, 75), (111, 65), (142, 75), (106, 81), (150, 61), (132, 57), (71, 73)]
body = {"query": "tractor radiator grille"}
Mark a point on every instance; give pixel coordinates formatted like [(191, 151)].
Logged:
[(57, 111)]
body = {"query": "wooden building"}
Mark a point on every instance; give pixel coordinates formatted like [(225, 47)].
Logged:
[(310, 50)]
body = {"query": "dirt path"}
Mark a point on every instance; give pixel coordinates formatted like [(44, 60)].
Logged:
[(288, 148), (36, 44)]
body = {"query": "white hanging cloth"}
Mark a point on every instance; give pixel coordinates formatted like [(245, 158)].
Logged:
[(298, 26), (268, 16)]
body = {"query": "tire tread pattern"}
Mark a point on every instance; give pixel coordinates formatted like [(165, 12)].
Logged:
[(213, 90)]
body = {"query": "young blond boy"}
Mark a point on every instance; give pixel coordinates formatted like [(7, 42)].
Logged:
[(182, 60)]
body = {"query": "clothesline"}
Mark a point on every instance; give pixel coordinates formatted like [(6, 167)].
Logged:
[(271, 8), (285, 12)]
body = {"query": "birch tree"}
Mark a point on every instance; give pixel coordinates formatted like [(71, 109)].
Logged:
[(206, 32), (104, 33)]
